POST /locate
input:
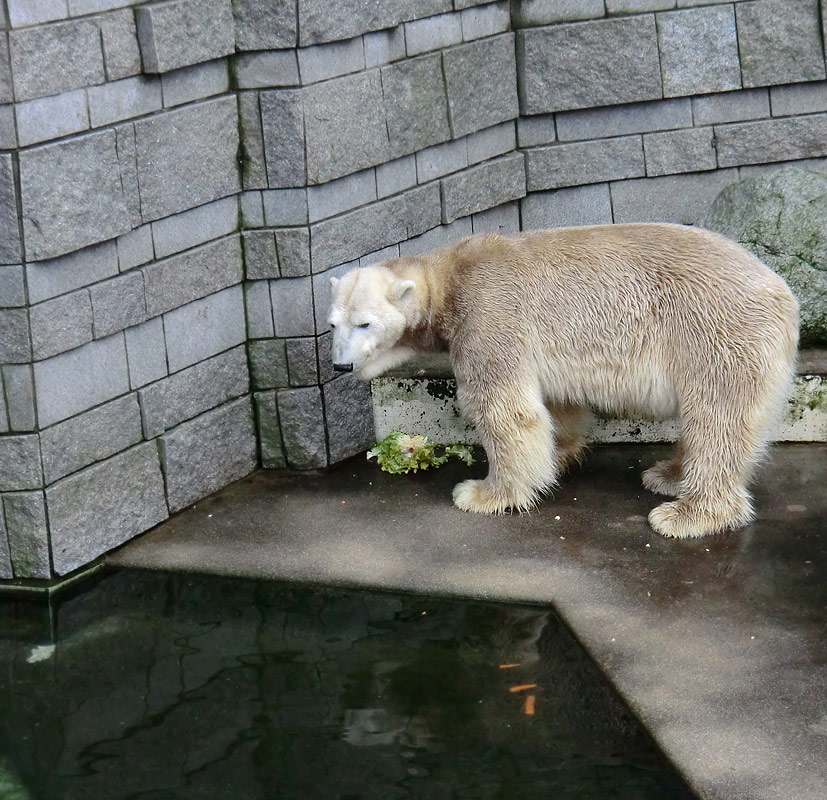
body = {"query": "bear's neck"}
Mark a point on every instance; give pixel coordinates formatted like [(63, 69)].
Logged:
[(426, 330)]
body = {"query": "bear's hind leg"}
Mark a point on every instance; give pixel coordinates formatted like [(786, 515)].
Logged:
[(665, 476), (515, 428), (721, 449), (570, 421)]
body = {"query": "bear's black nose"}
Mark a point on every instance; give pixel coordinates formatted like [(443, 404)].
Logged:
[(343, 367)]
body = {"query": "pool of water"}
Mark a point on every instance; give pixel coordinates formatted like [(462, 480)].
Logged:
[(151, 686)]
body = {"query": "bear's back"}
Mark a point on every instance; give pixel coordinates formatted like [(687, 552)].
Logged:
[(640, 293)]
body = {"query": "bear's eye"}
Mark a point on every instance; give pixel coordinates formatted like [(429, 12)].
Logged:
[(332, 327), (364, 325)]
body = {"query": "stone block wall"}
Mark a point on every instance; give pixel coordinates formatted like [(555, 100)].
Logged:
[(367, 131), (125, 380), (180, 178), (643, 110)]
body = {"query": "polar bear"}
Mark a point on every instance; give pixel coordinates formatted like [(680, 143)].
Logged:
[(646, 319)]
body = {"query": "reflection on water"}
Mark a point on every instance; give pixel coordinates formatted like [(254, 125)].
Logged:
[(160, 687)]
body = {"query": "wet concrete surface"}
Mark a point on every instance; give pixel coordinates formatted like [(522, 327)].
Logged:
[(719, 645)]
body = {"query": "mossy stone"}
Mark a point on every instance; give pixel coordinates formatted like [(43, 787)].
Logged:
[(782, 218)]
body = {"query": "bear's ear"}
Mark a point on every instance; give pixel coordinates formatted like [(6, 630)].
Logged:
[(334, 282), (400, 289)]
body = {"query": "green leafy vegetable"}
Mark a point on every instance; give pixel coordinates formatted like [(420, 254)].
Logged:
[(398, 452)]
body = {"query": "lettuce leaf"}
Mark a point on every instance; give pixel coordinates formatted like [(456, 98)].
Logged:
[(401, 453)]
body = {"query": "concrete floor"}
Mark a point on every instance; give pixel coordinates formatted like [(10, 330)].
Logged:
[(719, 644)]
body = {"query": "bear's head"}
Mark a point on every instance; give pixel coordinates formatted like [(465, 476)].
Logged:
[(367, 316)]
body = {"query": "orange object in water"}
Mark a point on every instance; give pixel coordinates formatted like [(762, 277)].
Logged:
[(523, 687), (508, 666), (529, 705)]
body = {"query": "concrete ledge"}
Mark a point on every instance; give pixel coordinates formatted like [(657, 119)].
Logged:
[(438, 365), (420, 397), (717, 644)]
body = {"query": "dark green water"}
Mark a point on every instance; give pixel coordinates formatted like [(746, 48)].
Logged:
[(158, 687)]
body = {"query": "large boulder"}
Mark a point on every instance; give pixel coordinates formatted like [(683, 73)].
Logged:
[(782, 218)]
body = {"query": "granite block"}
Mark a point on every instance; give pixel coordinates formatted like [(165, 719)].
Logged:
[(323, 61), (118, 303), (340, 137), (124, 99), (195, 83), (441, 159), (584, 162), (146, 353), (190, 392), (588, 64), (596, 123), (72, 382), (683, 199), (395, 176), (771, 140), (269, 431), (484, 186), (28, 534), (73, 195), (61, 324), (204, 328), (119, 37), (187, 157), (349, 416), (779, 42), (699, 51), (260, 259), (432, 33), (292, 306), (20, 468), (475, 99), (104, 506), (89, 437), (180, 279), (15, 338), (51, 117), (293, 247), (50, 59), (283, 132), (748, 104), (12, 286), (196, 226), (579, 205), (135, 248), (19, 385), (59, 275), (268, 364), (373, 227), (259, 309), (265, 26), (302, 361), (179, 33), (671, 152), (301, 416), (205, 454)]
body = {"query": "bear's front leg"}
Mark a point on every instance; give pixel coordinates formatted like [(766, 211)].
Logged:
[(516, 430)]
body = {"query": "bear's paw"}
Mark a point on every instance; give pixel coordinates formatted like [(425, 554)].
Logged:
[(680, 520), (663, 478), (480, 497)]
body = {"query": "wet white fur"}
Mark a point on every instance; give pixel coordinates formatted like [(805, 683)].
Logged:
[(660, 320)]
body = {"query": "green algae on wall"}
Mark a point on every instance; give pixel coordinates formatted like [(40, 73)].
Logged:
[(410, 405)]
